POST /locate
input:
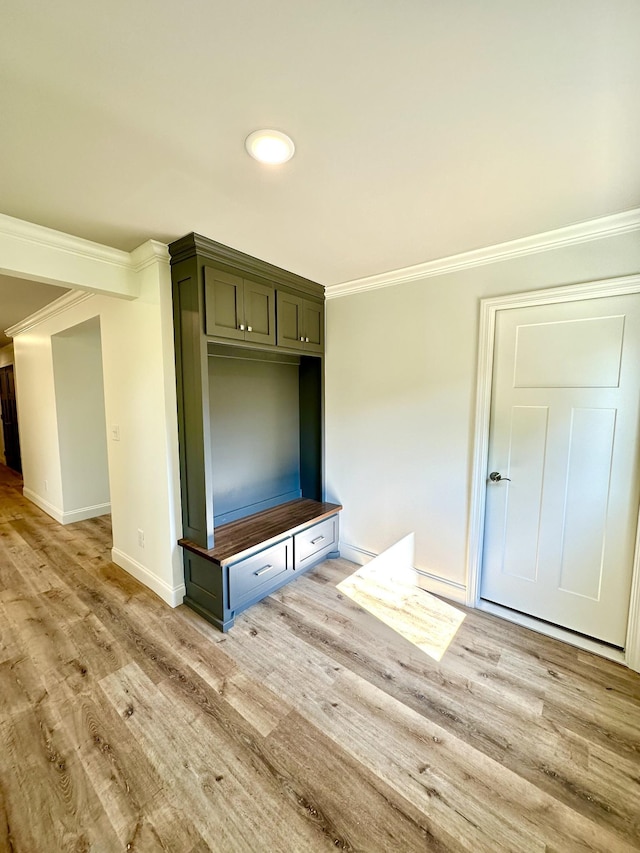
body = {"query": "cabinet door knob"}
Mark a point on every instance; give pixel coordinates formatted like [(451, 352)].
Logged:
[(242, 327), (306, 340), (302, 339), (249, 329)]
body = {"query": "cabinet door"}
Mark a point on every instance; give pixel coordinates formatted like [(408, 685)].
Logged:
[(224, 309), (289, 321), (313, 326), (259, 313)]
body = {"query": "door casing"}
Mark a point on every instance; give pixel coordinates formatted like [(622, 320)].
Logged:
[(488, 310)]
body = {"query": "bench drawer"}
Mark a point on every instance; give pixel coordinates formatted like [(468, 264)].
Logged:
[(256, 575), (315, 541)]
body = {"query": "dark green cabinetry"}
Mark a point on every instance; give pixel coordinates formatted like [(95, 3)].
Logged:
[(316, 541), (238, 309), (300, 323), (249, 367), (256, 556), (255, 576)]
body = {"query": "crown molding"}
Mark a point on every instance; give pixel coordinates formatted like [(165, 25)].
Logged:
[(36, 253), (582, 232), (38, 235), (149, 253), (66, 301), (31, 250)]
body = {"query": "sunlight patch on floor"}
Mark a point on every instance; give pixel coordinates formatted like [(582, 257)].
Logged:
[(395, 599)]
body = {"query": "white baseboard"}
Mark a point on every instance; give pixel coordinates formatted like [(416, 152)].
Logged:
[(356, 555), (85, 512), (66, 517), (441, 586), (172, 595), (450, 590), (44, 505)]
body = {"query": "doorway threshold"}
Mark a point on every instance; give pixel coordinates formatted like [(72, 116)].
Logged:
[(572, 638)]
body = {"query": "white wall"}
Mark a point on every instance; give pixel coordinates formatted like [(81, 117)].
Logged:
[(401, 370), (140, 398), (81, 420), (37, 422), (6, 357)]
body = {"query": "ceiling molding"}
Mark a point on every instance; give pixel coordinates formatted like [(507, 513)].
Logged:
[(36, 253), (49, 238), (593, 229), (149, 253), (102, 271), (68, 300)]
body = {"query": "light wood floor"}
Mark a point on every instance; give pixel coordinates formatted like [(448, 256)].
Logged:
[(125, 725)]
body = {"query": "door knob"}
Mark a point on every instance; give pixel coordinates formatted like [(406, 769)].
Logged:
[(495, 477)]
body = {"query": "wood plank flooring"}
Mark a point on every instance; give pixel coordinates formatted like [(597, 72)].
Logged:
[(128, 726)]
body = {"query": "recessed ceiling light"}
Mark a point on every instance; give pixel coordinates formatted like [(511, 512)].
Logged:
[(270, 146)]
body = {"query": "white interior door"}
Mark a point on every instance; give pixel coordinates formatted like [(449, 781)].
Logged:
[(560, 534)]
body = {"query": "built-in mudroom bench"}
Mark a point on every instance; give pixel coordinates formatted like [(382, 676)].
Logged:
[(250, 371), (256, 555)]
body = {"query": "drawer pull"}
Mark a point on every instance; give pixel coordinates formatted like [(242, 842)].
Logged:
[(262, 570), (317, 539)]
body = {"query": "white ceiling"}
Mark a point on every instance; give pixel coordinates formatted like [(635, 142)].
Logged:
[(423, 128)]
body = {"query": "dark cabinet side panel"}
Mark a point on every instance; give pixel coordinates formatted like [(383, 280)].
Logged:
[(311, 414), (207, 592), (193, 413)]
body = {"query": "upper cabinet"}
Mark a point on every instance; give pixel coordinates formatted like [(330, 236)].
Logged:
[(238, 309), (242, 301), (300, 323)]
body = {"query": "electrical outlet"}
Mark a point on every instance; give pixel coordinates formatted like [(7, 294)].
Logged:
[(115, 432), (46, 485), (141, 538)]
